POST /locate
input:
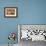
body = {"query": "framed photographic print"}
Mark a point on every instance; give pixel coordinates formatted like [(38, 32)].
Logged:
[(33, 32), (11, 12)]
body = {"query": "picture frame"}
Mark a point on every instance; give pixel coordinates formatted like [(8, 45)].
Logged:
[(37, 29), (11, 12)]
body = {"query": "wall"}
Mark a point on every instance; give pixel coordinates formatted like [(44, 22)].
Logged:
[(29, 12)]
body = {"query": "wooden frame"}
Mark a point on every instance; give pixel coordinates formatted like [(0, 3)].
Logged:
[(11, 12)]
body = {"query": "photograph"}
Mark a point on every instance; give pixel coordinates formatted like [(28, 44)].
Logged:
[(10, 11), (32, 32)]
